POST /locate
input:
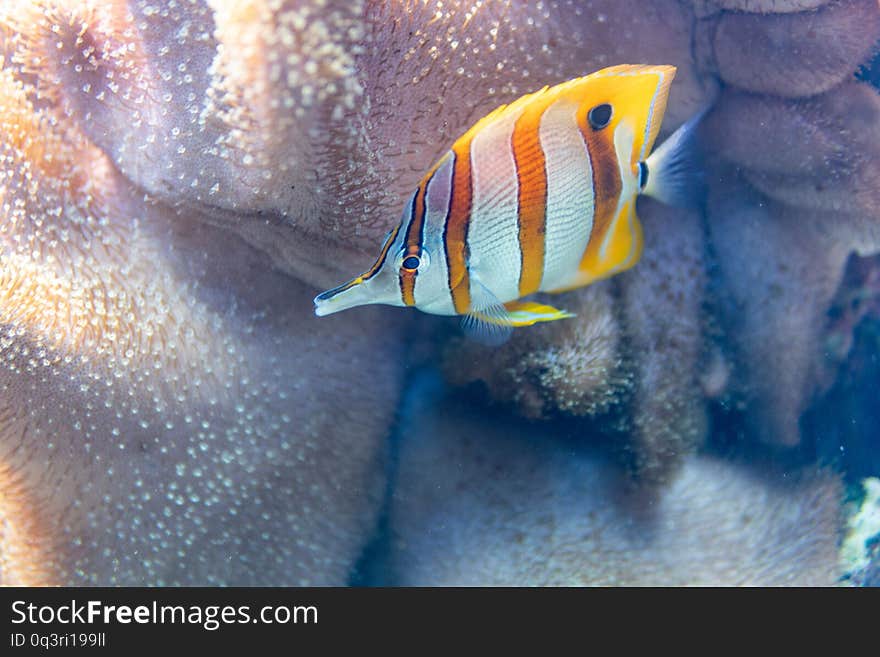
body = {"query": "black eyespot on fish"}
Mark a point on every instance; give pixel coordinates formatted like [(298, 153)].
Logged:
[(410, 263), (643, 175), (599, 116)]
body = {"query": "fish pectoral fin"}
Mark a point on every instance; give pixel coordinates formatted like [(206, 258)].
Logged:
[(487, 327), (488, 321), (526, 313)]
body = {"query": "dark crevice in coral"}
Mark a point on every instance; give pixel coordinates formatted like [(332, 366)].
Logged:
[(371, 568), (731, 438)]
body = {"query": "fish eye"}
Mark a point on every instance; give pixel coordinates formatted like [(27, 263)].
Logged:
[(599, 116), (411, 263)]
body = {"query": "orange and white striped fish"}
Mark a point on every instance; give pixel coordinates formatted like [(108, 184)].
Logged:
[(539, 195)]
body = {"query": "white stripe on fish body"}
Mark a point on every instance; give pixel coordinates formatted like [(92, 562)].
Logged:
[(434, 284), (493, 234), (570, 207), (392, 259), (623, 142)]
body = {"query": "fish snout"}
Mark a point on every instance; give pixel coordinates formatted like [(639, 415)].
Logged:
[(355, 292)]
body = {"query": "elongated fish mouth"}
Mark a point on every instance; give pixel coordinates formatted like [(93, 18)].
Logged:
[(342, 297), (354, 292), (329, 294)]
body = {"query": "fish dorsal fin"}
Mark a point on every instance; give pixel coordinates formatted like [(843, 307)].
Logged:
[(488, 321), (639, 85), (500, 112)]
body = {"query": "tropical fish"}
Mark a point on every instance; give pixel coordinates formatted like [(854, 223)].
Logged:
[(538, 196)]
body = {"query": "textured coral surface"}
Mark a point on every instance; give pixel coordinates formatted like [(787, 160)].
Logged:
[(180, 177), (482, 501)]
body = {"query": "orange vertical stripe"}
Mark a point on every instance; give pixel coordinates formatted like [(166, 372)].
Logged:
[(531, 196), (408, 287), (456, 229), (414, 235)]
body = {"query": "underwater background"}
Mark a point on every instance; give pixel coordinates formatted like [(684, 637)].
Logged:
[(179, 178)]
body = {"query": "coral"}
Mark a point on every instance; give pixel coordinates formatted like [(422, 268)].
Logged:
[(478, 501), (860, 553), (170, 413), (565, 367), (775, 336), (180, 178), (662, 304), (813, 189), (820, 160), (792, 54), (812, 157), (590, 366)]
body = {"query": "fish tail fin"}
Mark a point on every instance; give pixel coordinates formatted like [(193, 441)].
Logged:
[(674, 171)]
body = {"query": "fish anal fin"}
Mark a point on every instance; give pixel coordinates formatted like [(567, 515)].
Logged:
[(485, 329), (488, 321)]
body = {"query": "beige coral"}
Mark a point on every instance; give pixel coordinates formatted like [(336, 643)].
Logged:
[(165, 401), (482, 501)]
